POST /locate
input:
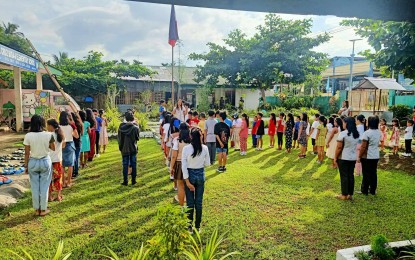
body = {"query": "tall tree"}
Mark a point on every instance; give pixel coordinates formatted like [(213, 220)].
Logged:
[(279, 46), (60, 58), (393, 42), (11, 37), (12, 29)]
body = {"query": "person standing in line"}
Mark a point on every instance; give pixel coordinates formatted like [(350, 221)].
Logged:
[(68, 152), (210, 138), (162, 109), (321, 138), (369, 156), (408, 137), (394, 139), (194, 122), (260, 131), (56, 158), (384, 137), (78, 143), (92, 134), (103, 134), (222, 132), (179, 111), (202, 124), (128, 136), (313, 132), (296, 131), (221, 103), (38, 165), (345, 111), (243, 135), (345, 157), (85, 142), (280, 130), (176, 160), (272, 129), (360, 125), (288, 130), (332, 140), (236, 129), (253, 132), (98, 119), (330, 126), (189, 118), (195, 157), (302, 136)]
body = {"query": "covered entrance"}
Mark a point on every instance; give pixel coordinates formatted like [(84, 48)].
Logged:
[(17, 62)]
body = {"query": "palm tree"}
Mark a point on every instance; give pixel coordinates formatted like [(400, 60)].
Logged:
[(60, 58), (11, 29)]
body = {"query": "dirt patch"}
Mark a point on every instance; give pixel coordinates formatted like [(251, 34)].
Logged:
[(392, 162)]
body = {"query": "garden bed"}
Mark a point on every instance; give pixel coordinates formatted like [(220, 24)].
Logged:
[(353, 252)]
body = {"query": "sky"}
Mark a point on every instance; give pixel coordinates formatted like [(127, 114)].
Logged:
[(134, 30)]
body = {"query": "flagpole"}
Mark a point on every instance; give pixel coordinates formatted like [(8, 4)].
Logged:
[(172, 75)]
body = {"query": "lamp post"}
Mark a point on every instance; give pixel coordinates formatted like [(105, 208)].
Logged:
[(351, 70)]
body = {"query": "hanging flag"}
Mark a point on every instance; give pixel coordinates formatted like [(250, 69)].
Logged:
[(173, 32)]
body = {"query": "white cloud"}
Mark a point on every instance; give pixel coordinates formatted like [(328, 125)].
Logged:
[(131, 30)]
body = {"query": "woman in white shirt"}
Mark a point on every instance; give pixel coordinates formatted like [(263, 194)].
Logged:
[(345, 157), (369, 156), (176, 160), (195, 157), (180, 111), (237, 127), (68, 152), (56, 158), (38, 163)]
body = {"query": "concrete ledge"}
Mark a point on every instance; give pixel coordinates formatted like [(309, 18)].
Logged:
[(349, 253)]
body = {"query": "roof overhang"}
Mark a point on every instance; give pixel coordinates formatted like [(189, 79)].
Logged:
[(379, 83), (398, 10)]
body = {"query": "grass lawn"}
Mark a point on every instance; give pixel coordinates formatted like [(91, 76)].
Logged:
[(273, 206)]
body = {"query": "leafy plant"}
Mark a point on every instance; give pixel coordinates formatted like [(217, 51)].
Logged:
[(204, 104), (142, 254), (381, 249), (142, 118), (58, 255), (362, 255), (171, 236), (208, 252), (114, 119), (408, 255), (401, 112)]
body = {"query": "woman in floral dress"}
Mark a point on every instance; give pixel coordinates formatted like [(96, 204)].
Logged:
[(302, 135), (289, 126)]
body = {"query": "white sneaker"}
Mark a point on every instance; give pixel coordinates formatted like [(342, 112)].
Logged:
[(242, 153), (406, 154), (171, 177), (97, 155)]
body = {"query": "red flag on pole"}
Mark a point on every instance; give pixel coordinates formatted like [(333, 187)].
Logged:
[(173, 32)]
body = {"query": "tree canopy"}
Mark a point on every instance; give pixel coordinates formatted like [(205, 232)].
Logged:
[(278, 47), (393, 42), (11, 37), (91, 74)]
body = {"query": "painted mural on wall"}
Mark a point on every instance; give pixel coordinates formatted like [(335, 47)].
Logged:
[(35, 103)]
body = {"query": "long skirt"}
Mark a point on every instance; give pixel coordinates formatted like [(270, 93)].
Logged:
[(235, 137), (92, 137)]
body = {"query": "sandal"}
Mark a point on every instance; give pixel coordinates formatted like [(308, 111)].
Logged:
[(44, 212), (5, 180), (341, 197)]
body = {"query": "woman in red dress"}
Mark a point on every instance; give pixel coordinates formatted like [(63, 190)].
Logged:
[(272, 127)]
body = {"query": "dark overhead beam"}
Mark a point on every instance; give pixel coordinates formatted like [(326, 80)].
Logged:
[(390, 10)]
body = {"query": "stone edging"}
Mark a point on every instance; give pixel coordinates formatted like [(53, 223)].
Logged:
[(349, 253)]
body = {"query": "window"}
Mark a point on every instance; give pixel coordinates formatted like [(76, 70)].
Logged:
[(120, 99), (134, 97), (59, 101), (158, 95)]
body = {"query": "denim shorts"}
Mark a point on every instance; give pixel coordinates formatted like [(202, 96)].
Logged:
[(258, 136), (222, 150)]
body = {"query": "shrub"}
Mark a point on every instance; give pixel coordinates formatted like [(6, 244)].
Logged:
[(401, 112), (296, 102), (142, 118), (380, 248), (171, 235), (362, 255), (114, 119), (210, 250)]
